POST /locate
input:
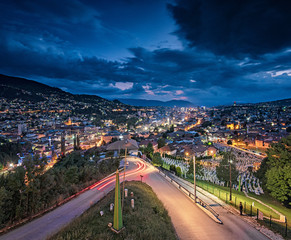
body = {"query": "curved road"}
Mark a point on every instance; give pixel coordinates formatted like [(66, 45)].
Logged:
[(189, 221)]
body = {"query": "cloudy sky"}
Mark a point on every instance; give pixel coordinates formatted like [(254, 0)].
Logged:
[(209, 52)]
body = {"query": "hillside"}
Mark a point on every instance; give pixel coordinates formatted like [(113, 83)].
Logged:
[(20, 89), (282, 102)]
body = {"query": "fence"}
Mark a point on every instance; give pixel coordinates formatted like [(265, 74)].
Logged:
[(250, 210), (191, 195)]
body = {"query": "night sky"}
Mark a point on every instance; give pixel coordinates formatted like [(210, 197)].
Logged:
[(209, 52)]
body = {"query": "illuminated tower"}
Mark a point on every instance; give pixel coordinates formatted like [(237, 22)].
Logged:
[(117, 219)]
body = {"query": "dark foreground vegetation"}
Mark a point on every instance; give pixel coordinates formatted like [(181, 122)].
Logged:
[(148, 220), (31, 188)]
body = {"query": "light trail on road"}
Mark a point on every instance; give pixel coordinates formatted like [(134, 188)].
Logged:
[(111, 179), (141, 167), (189, 221)]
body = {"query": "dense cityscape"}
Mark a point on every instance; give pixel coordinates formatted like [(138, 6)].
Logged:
[(166, 119)]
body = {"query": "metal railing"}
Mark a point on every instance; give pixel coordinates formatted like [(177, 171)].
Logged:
[(191, 195)]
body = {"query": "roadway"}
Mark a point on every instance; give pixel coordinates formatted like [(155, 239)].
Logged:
[(189, 220), (51, 222), (233, 225)]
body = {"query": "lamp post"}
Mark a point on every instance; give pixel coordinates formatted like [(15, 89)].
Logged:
[(194, 173), (230, 162)]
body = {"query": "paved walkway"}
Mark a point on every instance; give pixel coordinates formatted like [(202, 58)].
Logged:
[(282, 217), (225, 210), (190, 221)]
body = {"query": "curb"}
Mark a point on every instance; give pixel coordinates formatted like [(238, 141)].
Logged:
[(214, 218)]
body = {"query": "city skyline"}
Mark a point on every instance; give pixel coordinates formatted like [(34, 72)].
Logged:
[(206, 52)]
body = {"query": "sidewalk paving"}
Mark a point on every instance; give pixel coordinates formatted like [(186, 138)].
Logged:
[(250, 220), (282, 217)]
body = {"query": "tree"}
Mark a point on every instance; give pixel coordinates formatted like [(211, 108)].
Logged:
[(164, 135), (63, 145), (278, 174), (222, 171), (149, 149), (178, 171), (261, 173), (71, 175), (229, 142), (5, 200), (198, 168), (172, 128), (157, 159), (114, 139), (78, 142), (75, 143), (206, 124), (161, 142), (131, 122), (173, 168)]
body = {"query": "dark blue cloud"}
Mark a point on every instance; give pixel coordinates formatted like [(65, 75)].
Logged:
[(234, 28), (64, 48)]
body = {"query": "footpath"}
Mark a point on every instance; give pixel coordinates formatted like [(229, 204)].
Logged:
[(210, 198), (282, 217)]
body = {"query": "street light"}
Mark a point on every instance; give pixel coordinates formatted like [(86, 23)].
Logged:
[(230, 162), (194, 173)]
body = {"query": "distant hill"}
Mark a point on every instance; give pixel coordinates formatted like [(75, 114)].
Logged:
[(282, 102), (156, 103), (14, 88), (20, 88)]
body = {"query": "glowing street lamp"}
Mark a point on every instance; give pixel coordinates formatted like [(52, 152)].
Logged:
[(194, 173), (230, 162)]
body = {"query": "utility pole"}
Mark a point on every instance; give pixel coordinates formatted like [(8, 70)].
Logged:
[(194, 173), (229, 161)]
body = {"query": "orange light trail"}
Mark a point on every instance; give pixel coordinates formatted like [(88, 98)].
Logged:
[(141, 167)]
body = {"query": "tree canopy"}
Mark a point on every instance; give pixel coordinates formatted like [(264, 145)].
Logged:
[(223, 172), (31, 188), (278, 173), (157, 159), (161, 142)]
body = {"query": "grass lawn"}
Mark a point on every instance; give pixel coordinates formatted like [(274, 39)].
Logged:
[(237, 197), (148, 220), (166, 166), (266, 198)]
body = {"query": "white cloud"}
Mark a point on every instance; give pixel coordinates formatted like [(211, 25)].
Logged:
[(122, 85), (179, 92)]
